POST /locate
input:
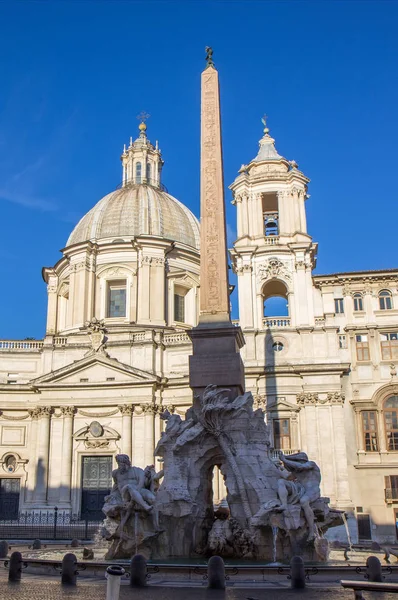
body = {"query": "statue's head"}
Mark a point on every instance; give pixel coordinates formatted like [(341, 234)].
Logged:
[(123, 462)]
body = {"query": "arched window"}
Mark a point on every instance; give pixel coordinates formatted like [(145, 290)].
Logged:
[(138, 169), (385, 300), (275, 305), (271, 228), (391, 423), (358, 302), (148, 172)]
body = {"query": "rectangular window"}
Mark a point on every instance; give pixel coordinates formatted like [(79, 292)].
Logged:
[(362, 347), (179, 308), (369, 428), (391, 487), (342, 342), (339, 306), (389, 346), (358, 302), (281, 434), (391, 424), (116, 299)]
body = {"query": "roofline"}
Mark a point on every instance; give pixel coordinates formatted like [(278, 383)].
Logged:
[(355, 273)]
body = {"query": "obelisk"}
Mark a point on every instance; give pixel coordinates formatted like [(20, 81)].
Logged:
[(216, 342)]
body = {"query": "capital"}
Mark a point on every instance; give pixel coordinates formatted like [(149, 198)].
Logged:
[(126, 409), (68, 411)]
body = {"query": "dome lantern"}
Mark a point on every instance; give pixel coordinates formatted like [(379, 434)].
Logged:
[(142, 161)]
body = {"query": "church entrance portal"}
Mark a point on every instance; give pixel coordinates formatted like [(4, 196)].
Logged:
[(9, 498), (96, 484)]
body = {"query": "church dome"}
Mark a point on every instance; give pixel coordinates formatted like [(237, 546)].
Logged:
[(141, 206), (138, 209)]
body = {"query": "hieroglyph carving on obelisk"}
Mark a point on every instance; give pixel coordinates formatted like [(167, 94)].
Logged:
[(214, 292)]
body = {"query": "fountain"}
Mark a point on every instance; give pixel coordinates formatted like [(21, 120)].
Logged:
[(264, 498)]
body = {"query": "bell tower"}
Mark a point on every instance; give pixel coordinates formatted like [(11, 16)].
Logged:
[(273, 255)]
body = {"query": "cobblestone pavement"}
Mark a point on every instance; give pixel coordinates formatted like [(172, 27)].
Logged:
[(40, 588)]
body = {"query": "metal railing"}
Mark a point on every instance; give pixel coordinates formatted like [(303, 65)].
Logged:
[(391, 494), (49, 525)]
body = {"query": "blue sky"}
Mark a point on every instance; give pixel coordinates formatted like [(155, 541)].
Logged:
[(74, 75)]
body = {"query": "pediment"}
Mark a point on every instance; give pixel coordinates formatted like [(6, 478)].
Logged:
[(183, 277), (282, 406), (95, 370)]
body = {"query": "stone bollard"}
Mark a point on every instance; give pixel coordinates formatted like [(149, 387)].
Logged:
[(138, 571), (3, 549), (216, 573), (15, 567), (36, 544), (68, 573), (373, 566), (114, 574), (297, 573), (74, 543)]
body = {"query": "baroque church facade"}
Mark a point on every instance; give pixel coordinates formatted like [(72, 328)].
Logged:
[(115, 354)]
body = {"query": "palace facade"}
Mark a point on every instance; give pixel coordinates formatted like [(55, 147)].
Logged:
[(115, 353)]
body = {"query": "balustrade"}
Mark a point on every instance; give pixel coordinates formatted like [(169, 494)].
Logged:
[(271, 240), (21, 345), (272, 322)]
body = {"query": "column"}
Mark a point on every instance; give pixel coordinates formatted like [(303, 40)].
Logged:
[(127, 428), (245, 296), (149, 428), (258, 216), (90, 287), (303, 220), (340, 452), (67, 458), (43, 446), (312, 432), (237, 201), (34, 413), (157, 305), (144, 290), (51, 327)]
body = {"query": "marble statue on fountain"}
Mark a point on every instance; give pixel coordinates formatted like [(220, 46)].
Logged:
[(130, 507)]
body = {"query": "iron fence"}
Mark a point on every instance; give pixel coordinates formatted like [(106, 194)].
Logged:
[(49, 525)]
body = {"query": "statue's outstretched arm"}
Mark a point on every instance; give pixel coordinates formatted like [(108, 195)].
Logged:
[(297, 466)]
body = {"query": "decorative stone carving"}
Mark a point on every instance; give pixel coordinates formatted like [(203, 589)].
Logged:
[(307, 398), (68, 411), (97, 331), (131, 511), (14, 418), (33, 413), (260, 494), (244, 269), (97, 415), (44, 411), (273, 268), (316, 398), (126, 409), (96, 429), (335, 397)]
